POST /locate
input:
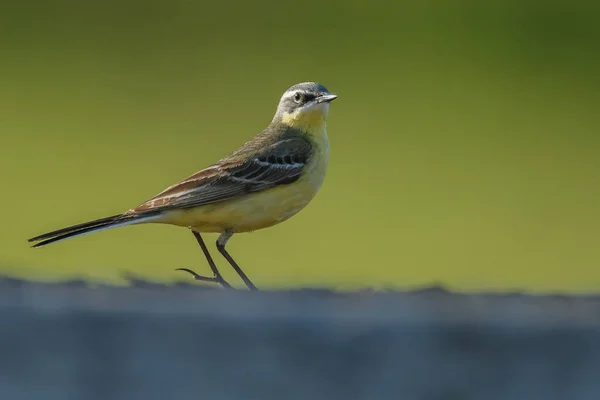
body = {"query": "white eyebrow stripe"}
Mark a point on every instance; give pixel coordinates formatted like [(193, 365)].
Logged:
[(292, 93)]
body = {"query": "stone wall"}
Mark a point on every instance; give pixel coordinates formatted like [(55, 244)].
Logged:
[(70, 341)]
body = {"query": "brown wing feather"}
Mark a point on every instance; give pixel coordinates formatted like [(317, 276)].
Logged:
[(253, 168)]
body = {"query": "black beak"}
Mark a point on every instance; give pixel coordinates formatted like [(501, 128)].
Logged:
[(326, 98)]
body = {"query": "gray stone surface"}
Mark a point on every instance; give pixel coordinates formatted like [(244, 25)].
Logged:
[(70, 341)]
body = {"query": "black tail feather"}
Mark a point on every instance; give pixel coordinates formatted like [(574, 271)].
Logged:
[(68, 229), (87, 227)]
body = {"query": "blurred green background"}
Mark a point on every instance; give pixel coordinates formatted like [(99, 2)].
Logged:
[(465, 145)]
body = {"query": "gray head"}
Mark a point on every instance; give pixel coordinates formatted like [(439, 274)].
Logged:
[(304, 104)]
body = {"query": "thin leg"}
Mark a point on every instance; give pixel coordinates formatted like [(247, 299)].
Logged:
[(221, 242), (217, 277)]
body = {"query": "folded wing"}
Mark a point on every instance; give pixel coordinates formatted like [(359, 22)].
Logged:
[(244, 172)]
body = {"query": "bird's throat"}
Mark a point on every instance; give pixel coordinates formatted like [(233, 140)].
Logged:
[(311, 121)]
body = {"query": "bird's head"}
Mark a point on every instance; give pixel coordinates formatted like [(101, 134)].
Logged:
[(304, 106)]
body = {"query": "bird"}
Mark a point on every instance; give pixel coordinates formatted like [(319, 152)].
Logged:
[(266, 181)]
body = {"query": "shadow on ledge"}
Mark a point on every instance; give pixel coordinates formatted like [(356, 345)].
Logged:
[(152, 341)]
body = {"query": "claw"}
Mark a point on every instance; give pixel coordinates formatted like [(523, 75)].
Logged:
[(196, 276)]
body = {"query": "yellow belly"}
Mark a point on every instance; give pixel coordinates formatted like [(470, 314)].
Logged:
[(257, 210)]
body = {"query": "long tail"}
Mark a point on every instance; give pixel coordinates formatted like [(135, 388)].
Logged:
[(92, 226)]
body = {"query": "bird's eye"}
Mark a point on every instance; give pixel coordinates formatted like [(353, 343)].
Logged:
[(298, 97)]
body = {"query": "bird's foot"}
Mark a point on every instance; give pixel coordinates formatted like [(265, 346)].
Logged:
[(214, 279)]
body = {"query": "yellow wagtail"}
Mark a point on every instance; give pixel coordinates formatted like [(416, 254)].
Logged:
[(266, 181)]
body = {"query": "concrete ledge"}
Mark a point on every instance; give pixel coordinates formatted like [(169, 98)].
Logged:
[(149, 341)]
